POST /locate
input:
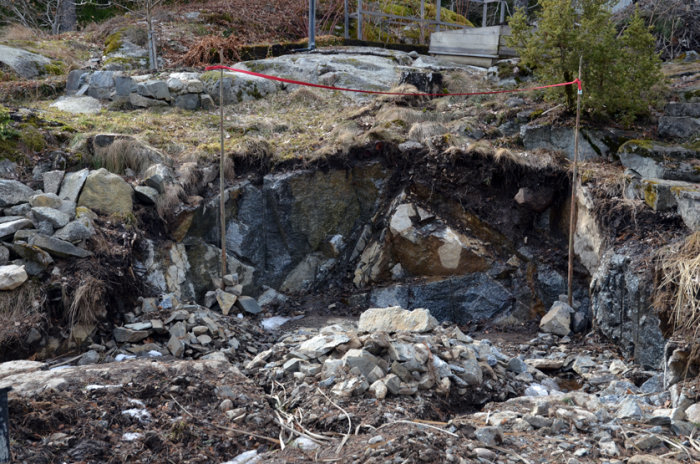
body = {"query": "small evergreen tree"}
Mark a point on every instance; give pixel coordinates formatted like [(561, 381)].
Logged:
[(620, 70)]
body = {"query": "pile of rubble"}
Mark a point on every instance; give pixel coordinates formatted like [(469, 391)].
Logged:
[(38, 226), (165, 327), (393, 352)]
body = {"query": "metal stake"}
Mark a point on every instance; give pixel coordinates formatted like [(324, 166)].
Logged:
[(572, 222)]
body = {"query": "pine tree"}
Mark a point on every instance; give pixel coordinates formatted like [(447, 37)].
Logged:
[(620, 70)]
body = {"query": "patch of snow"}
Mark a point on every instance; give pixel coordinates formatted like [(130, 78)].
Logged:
[(131, 436), (154, 354), (239, 316), (536, 390), (274, 322), (141, 415), (249, 457), (121, 357), (103, 387)]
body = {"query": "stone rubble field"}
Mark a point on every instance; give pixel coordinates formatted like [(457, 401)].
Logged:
[(394, 386)]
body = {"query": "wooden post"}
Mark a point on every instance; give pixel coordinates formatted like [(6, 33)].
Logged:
[(503, 12), (222, 213), (422, 18), (437, 14), (483, 18), (347, 20), (359, 20), (572, 222)]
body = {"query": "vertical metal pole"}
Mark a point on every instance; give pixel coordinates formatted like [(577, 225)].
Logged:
[(437, 14), (347, 20), (359, 20), (222, 212), (503, 12), (312, 24), (483, 18), (5, 454), (572, 222), (422, 18)]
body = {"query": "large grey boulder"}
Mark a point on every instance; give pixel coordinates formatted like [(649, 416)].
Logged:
[(57, 247), (106, 193), (76, 231), (52, 181), (72, 185), (101, 85), (652, 159), (321, 344), (54, 217), (557, 320), (395, 319), (538, 135), (12, 276), (76, 79), (26, 64), (153, 89), (688, 202), (9, 228), (678, 128), (78, 105), (140, 101), (13, 192)]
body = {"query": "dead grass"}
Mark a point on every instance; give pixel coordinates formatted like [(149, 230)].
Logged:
[(173, 196), (677, 294), (18, 32), (122, 154), (87, 306), (20, 310)]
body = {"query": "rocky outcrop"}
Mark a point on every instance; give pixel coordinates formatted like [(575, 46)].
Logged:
[(681, 120), (26, 64), (541, 135), (621, 301)]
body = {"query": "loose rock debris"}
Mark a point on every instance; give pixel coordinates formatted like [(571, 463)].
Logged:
[(337, 394)]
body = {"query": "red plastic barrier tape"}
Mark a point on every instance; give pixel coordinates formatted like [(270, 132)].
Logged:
[(343, 89)]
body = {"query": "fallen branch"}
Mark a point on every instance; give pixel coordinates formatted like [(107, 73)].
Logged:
[(421, 424)]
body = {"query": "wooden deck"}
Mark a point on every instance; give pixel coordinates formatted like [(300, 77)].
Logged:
[(478, 46)]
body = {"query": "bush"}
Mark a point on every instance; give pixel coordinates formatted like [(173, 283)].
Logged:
[(620, 71), (6, 131)]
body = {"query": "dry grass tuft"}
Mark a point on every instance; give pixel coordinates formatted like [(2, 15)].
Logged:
[(166, 203), (404, 100), (20, 310), (677, 294), (189, 176), (306, 96), (122, 154), (16, 31), (87, 305)]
